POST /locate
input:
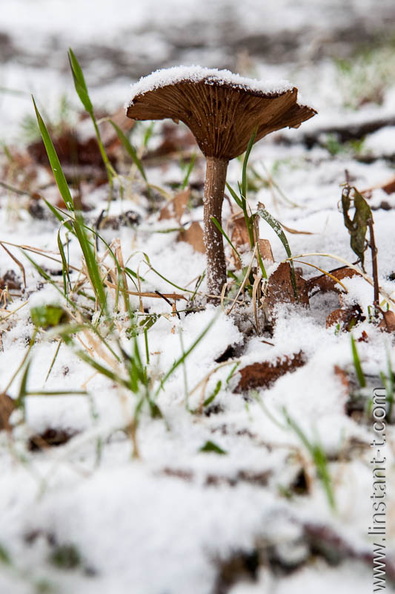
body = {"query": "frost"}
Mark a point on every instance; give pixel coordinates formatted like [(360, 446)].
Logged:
[(171, 76)]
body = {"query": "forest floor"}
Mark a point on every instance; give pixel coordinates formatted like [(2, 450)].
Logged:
[(150, 442)]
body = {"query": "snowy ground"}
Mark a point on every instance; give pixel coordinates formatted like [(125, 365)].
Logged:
[(254, 514)]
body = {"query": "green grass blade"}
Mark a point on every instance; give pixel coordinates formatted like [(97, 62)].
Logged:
[(245, 164), (65, 266), (186, 354), (77, 222), (54, 161), (357, 363), (275, 225), (79, 83), (188, 172), (320, 460), (234, 195), (129, 149), (83, 93), (220, 229)]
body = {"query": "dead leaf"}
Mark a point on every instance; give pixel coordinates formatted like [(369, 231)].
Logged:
[(387, 324), (72, 150), (10, 281), (280, 288), (325, 283), (358, 225), (363, 338), (265, 250), (238, 231), (346, 317), (342, 375), (264, 374), (49, 438), (194, 236), (176, 207), (7, 407)]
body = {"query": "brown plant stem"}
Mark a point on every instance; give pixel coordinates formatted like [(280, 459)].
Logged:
[(375, 271), (214, 189)]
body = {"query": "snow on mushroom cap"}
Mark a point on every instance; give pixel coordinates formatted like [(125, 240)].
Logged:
[(170, 76)]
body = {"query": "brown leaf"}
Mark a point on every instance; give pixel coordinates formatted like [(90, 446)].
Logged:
[(49, 438), (194, 236), (388, 322), (342, 375), (176, 207), (7, 407), (238, 231), (389, 186), (346, 317), (325, 283), (10, 281), (264, 374), (72, 150), (280, 288), (265, 250)]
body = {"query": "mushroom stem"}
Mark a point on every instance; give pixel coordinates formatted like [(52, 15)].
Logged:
[(214, 189)]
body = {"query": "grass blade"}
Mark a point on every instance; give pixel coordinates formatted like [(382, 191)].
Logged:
[(79, 82), (54, 161), (77, 222), (245, 164), (129, 149), (275, 225), (357, 363)]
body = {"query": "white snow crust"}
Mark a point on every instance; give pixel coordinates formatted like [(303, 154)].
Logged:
[(211, 76)]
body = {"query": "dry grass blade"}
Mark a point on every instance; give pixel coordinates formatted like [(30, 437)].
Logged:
[(175, 296), (17, 262)]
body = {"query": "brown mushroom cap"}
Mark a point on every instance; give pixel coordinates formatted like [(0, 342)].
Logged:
[(221, 109)]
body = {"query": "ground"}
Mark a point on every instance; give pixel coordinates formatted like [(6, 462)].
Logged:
[(151, 442)]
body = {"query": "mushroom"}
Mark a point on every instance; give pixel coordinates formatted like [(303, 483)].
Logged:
[(223, 110)]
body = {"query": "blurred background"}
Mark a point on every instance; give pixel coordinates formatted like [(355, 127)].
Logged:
[(316, 44)]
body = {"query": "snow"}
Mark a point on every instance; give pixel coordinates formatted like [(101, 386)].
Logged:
[(381, 142), (210, 76), (165, 521)]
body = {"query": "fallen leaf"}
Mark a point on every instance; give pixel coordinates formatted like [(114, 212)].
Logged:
[(346, 317), (176, 207), (328, 282), (342, 375), (194, 236), (7, 407), (264, 374), (49, 438), (72, 150), (388, 322), (238, 231), (265, 250), (10, 281), (280, 288)]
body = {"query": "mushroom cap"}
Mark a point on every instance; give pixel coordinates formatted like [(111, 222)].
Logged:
[(221, 109)]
